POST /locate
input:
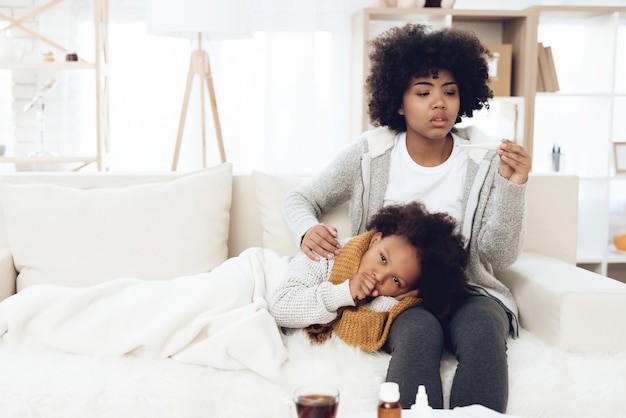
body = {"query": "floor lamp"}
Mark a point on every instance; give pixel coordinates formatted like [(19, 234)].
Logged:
[(204, 20)]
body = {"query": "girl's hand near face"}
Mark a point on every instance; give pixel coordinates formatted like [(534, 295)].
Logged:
[(515, 162), (362, 286), (322, 240)]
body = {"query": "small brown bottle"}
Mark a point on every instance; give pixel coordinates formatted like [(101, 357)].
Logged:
[(389, 404)]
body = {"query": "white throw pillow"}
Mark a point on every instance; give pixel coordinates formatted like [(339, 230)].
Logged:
[(155, 230), (271, 191)]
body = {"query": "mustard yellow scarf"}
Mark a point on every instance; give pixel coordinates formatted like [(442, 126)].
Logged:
[(358, 326)]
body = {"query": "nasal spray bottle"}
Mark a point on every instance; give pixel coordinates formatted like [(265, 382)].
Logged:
[(389, 404), (421, 409)]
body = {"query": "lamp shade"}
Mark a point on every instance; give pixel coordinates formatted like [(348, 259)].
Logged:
[(215, 19)]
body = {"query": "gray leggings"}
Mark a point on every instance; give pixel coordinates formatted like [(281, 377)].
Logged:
[(475, 332)]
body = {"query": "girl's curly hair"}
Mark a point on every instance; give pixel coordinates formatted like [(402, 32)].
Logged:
[(414, 50), (440, 248)]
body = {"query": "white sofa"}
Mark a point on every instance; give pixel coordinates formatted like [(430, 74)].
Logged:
[(566, 312)]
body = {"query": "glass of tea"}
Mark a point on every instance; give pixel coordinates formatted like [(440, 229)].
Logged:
[(316, 401)]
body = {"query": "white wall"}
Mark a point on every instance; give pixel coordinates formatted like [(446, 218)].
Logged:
[(147, 82)]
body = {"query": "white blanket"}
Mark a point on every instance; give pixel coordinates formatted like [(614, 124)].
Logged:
[(218, 319)]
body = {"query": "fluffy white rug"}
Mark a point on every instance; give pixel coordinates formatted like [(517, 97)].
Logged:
[(544, 382)]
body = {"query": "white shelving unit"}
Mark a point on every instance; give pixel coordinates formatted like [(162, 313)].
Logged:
[(584, 117), (97, 65)]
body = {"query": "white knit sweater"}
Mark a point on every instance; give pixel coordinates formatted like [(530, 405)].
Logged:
[(306, 297)]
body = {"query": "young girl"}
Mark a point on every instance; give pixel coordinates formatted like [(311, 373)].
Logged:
[(407, 257), (421, 83)]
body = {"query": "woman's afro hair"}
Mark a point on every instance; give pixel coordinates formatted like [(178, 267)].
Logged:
[(414, 50)]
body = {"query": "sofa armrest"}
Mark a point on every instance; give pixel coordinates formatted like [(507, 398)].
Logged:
[(8, 275), (572, 308)]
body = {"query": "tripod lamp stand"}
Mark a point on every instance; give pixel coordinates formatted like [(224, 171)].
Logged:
[(203, 20)]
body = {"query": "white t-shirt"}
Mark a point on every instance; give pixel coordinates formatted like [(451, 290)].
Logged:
[(439, 188)]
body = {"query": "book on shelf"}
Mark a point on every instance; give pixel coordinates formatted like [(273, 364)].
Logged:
[(552, 69), (541, 63), (547, 79)]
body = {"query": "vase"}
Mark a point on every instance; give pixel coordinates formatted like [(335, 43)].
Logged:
[(11, 49)]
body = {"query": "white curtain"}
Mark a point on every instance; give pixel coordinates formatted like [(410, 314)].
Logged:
[(283, 95)]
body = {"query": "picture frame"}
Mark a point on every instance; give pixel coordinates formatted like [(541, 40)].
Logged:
[(619, 152)]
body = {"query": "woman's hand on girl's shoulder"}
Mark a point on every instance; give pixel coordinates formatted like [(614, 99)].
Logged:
[(320, 240)]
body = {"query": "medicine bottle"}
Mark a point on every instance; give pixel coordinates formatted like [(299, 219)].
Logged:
[(421, 409), (389, 404)]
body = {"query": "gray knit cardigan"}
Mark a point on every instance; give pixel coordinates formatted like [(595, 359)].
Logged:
[(494, 208)]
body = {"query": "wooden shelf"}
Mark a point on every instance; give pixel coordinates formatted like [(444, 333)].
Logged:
[(616, 257), (44, 65), (408, 14), (48, 160), (98, 66), (27, 163)]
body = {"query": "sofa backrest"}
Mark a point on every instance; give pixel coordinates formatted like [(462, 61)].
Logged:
[(551, 224), (245, 217), (552, 208)]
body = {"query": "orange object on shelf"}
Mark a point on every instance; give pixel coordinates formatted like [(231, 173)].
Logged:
[(620, 242)]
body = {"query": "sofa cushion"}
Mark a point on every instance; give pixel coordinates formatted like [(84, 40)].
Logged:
[(155, 230), (271, 191)]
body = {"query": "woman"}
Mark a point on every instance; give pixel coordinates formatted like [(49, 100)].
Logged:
[(421, 83)]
